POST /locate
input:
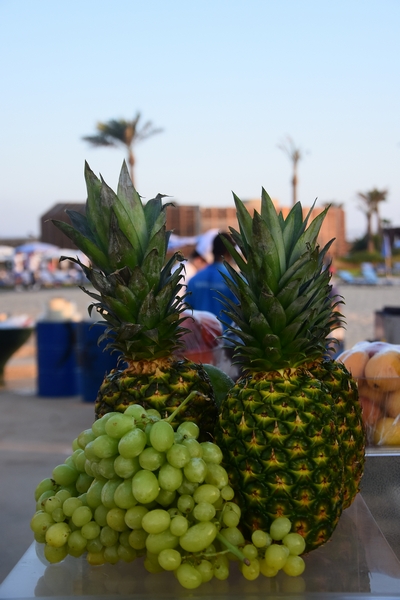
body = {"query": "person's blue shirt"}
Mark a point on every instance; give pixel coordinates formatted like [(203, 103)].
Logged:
[(203, 289)]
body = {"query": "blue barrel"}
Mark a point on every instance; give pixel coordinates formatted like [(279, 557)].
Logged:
[(56, 360), (93, 361)]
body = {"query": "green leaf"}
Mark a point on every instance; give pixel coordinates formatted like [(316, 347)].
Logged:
[(292, 228), (120, 249), (245, 223), (80, 222), (97, 208), (93, 252), (308, 237), (130, 209), (271, 219), (273, 311)]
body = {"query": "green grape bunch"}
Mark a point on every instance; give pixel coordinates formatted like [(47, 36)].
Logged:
[(136, 487)]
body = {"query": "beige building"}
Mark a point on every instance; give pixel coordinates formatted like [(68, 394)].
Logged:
[(190, 220)]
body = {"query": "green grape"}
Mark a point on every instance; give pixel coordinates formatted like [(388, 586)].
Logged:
[(196, 470), (100, 515), (188, 429), (119, 424), (126, 467), (153, 414), (169, 559), (178, 456), (204, 511), (155, 542), (85, 437), (42, 499), (46, 485), (151, 459), (188, 576), (89, 469), (63, 495), (75, 444), (266, 570), (83, 483), (137, 539), (123, 495), (221, 567), (99, 426), (165, 498), (58, 515), (81, 515), (105, 446), (89, 452), (108, 491), (179, 525), (95, 558), (206, 493), (151, 566), (77, 460), (76, 541), (57, 534), (295, 543), (94, 545), (64, 475), (198, 537), (132, 443), (136, 411), (187, 487), (40, 537), (161, 436), (227, 493), (193, 446), (206, 570), (156, 521), (83, 497), (52, 503), (126, 554), (116, 519), (261, 539), (106, 467), (124, 538), (76, 553), (276, 556), (70, 505), (294, 566), (70, 462), (55, 554), (233, 535), (251, 571), (93, 495), (41, 521), (170, 478), (216, 475), (185, 504), (134, 516), (145, 486), (250, 551), (279, 528), (108, 536), (211, 452), (230, 516), (111, 554), (90, 531)]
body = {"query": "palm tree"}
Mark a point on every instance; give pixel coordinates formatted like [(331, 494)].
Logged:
[(123, 132), (294, 155), (370, 207)]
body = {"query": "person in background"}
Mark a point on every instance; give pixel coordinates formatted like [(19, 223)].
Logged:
[(205, 287)]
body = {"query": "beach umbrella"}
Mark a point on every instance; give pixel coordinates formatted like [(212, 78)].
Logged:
[(29, 247)]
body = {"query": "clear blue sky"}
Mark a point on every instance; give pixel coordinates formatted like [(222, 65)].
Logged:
[(227, 80)]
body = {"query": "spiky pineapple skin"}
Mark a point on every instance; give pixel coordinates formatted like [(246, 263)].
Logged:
[(161, 385), (282, 451), (344, 392)]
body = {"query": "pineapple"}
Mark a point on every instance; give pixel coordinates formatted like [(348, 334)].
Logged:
[(136, 293), (290, 429)]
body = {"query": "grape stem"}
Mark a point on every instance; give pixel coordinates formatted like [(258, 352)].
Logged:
[(234, 549), (183, 404)]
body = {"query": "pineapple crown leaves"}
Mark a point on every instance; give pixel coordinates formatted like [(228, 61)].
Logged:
[(135, 288), (284, 311)]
